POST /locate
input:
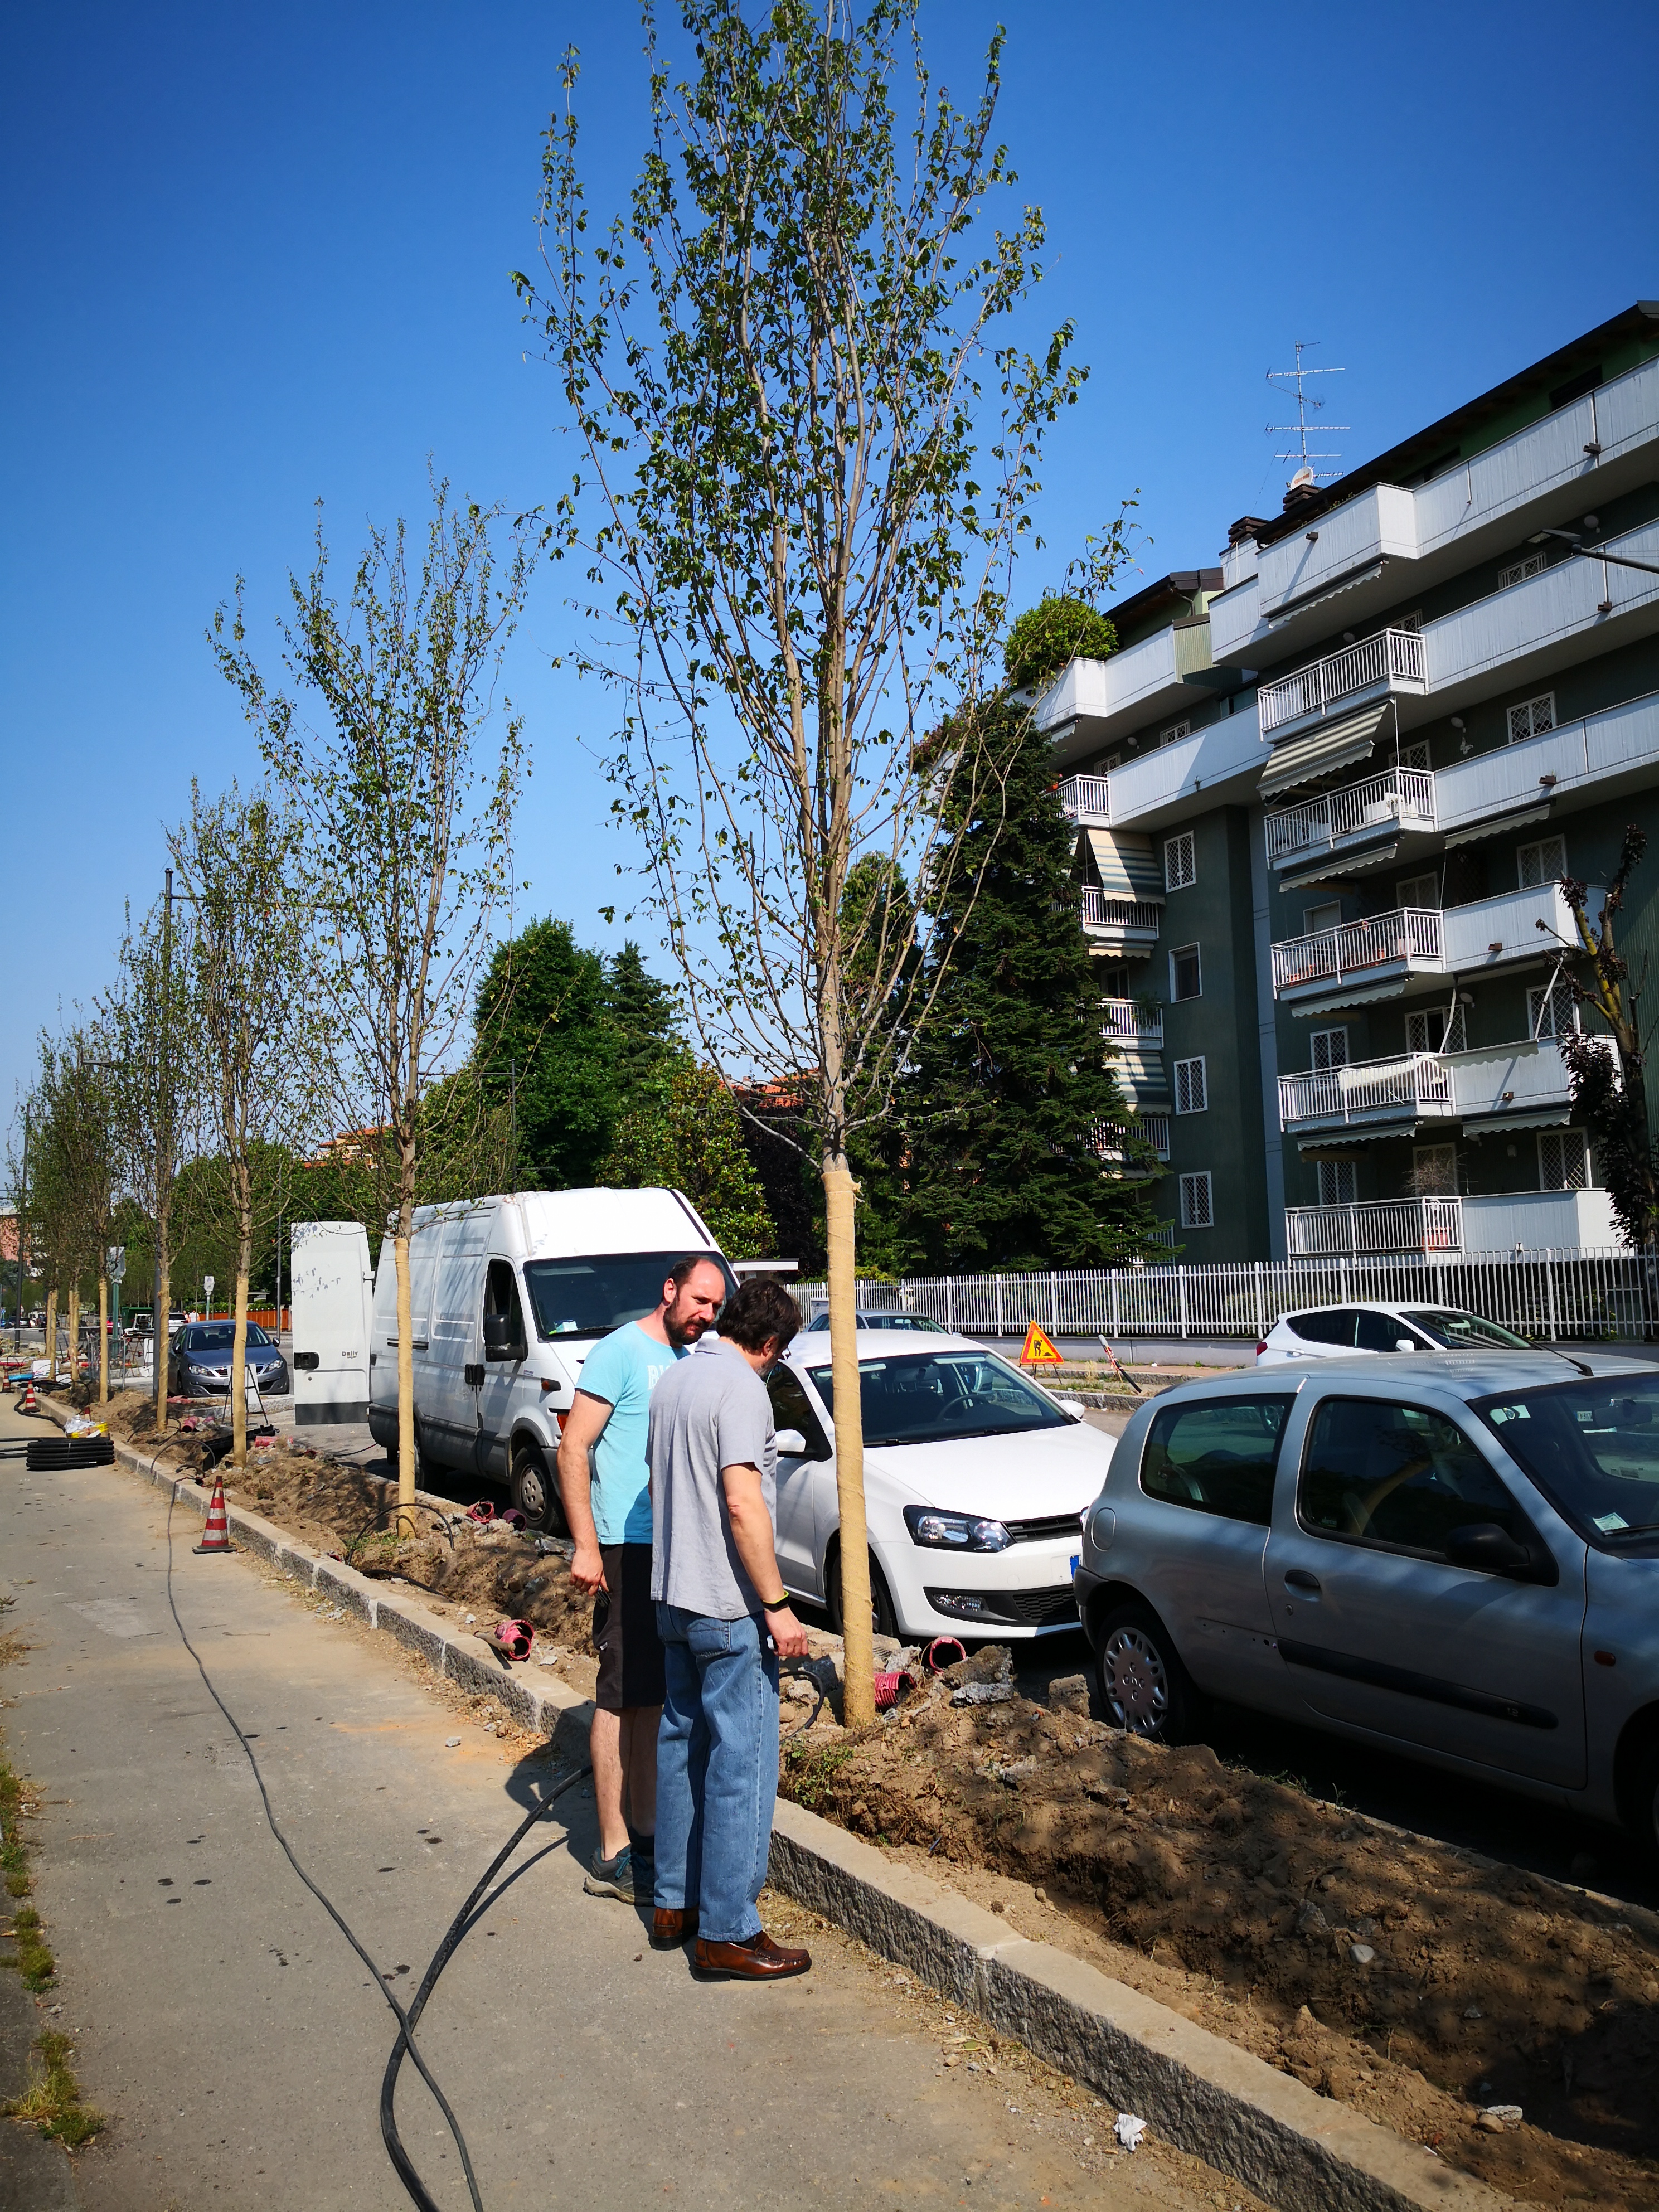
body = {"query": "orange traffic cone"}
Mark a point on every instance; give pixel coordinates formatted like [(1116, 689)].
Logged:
[(29, 1403), (216, 1535)]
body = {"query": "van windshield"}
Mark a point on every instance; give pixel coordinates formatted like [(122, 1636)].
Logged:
[(590, 1297)]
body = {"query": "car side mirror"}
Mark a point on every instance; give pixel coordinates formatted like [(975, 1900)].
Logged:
[(791, 1443), (1484, 1546), (1072, 1408), (500, 1341), (1404, 1344)]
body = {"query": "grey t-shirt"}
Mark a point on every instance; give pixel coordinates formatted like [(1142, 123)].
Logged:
[(711, 1411)]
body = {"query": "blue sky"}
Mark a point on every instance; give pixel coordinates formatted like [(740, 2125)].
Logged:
[(255, 258)]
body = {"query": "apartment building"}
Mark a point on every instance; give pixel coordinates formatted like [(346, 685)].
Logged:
[(1325, 793)]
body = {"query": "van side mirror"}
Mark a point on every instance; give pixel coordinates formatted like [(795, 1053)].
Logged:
[(1484, 1546), (791, 1444), (500, 1340)]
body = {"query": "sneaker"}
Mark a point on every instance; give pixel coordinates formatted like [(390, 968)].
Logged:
[(611, 1877)]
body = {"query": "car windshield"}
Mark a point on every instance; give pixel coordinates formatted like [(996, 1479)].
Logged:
[(919, 1323), (221, 1336), (924, 1398), (1463, 1332), (590, 1297), (1593, 1450)]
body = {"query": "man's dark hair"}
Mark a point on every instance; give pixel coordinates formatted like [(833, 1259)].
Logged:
[(683, 1270), (759, 1310)]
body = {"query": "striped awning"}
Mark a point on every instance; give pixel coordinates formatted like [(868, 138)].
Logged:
[(1334, 1000), (1127, 866), (1494, 825), (1319, 753), (1317, 598), (1500, 1125), (1142, 1082), (1367, 1133), (1335, 866)]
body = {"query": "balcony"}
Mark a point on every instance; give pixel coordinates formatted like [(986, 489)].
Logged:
[(1117, 924), (1127, 1021), (1519, 1086), (1537, 1221), (1612, 750), (1086, 798), (1400, 798), (1091, 702), (1391, 660), (1378, 958), (1408, 1088), (1153, 1130)]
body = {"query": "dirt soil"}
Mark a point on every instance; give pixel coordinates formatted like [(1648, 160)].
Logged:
[(1251, 1908), (1240, 1902)]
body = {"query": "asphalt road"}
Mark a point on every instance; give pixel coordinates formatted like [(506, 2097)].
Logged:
[(238, 2047)]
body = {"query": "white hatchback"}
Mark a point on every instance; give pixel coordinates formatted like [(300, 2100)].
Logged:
[(976, 1483), (1339, 1332)]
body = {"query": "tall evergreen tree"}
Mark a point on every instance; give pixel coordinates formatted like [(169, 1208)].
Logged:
[(1010, 1080), (547, 1053), (642, 1013)]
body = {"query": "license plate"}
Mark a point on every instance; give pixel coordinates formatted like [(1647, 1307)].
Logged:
[(1077, 1561)]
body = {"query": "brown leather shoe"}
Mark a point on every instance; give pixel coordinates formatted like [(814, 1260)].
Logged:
[(670, 1928), (759, 1959)]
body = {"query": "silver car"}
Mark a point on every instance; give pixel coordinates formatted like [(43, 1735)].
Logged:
[(1456, 1558)]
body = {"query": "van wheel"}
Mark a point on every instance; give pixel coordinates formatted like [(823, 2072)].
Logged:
[(535, 1492), (1144, 1687), (884, 1619)]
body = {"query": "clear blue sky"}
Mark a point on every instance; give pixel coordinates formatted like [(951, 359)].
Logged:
[(255, 258)]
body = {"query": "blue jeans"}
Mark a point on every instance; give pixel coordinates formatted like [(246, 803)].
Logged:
[(717, 1769)]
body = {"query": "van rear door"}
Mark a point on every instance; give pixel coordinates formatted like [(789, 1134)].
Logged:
[(333, 1292)]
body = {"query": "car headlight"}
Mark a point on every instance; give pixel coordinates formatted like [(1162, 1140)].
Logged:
[(955, 1532)]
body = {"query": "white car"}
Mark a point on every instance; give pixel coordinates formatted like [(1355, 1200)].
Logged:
[(976, 1483), (1339, 1332)]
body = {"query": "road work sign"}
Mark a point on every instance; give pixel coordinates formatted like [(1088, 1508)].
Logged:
[(1038, 1352)]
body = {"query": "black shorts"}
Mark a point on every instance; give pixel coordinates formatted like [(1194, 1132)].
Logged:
[(625, 1633)]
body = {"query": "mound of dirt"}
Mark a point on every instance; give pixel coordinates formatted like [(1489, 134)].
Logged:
[(1358, 1951)]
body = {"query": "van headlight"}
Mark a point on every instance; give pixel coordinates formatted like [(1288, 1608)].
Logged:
[(955, 1532)]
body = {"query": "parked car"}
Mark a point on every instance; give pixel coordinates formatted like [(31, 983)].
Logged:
[(975, 1485), (1455, 1559), (1339, 1332), (200, 1355), (920, 1322)]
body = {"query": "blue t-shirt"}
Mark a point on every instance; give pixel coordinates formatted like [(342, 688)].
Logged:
[(624, 1369)]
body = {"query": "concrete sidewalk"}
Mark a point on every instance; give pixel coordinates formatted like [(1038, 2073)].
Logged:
[(237, 2045)]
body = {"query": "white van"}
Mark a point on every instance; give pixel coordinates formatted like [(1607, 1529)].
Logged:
[(507, 1296), (333, 1304)]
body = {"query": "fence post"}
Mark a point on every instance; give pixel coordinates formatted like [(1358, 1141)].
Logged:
[(1180, 1276), (949, 1308), (1054, 1303), (1261, 1303), (1343, 1270), (1117, 1310), (998, 1281), (1549, 1292)]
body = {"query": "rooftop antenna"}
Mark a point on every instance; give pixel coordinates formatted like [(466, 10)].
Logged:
[(1305, 405)]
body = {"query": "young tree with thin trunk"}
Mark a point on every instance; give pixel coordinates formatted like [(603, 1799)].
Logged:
[(407, 827), (807, 469), (72, 1110), (237, 861)]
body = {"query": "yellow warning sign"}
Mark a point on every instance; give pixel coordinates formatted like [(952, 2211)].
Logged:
[(1038, 1352)]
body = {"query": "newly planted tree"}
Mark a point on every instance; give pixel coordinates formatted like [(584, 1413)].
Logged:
[(407, 826), (807, 467)]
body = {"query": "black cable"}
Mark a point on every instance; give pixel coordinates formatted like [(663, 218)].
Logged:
[(406, 2172)]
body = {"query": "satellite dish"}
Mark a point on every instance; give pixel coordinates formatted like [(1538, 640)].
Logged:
[(1303, 476)]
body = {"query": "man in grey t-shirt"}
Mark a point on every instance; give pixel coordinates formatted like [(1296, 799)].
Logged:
[(713, 1456)]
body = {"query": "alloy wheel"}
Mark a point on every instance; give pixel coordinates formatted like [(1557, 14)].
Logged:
[(1134, 1680)]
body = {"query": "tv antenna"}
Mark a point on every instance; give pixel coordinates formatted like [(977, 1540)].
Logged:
[(1306, 404)]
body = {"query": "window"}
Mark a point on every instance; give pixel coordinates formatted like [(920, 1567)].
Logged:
[(1330, 1049), (1328, 916), (1545, 862), (792, 1409), (1330, 1325), (1191, 1091), (1197, 1201), (1417, 891), (1380, 1332), (1176, 730), (1412, 621), (1111, 761), (1563, 1160), (1180, 864), (1434, 1170), (501, 1303), (1397, 1478), (1220, 1457), (1593, 1450), (1552, 1010), (931, 1397), (1186, 981), (1531, 717), (1337, 1184), (1531, 564), (590, 1297), (1415, 755), (1435, 1030)]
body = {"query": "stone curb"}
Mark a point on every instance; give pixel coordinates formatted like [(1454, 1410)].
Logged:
[(1300, 2151)]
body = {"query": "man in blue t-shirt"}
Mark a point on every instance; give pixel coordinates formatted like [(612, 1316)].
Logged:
[(606, 1488)]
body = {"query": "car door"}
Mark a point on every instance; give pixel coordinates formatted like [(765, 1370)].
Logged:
[(1378, 1628), (1192, 1540), (800, 1478), (494, 1381)]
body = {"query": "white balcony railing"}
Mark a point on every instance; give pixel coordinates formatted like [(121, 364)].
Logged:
[(1388, 657), (1085, 799), (1408, 935), (1413, 1083), (1133, 917), (1126, 1021), (1403, 797), (1387, 1224), (1154, 1129)]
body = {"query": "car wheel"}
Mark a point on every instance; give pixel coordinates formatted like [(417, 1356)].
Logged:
[(1644, 1806), (536, 1493), (884, 1618), (1144, 1687)]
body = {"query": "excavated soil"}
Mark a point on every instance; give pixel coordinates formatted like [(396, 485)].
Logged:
[(1250, 1907)]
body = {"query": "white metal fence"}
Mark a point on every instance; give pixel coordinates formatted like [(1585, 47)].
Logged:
[(1405, 795), (1363, 1089), (1388, 656), (1568, 1293), (1085, 799), (1407, 933)]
